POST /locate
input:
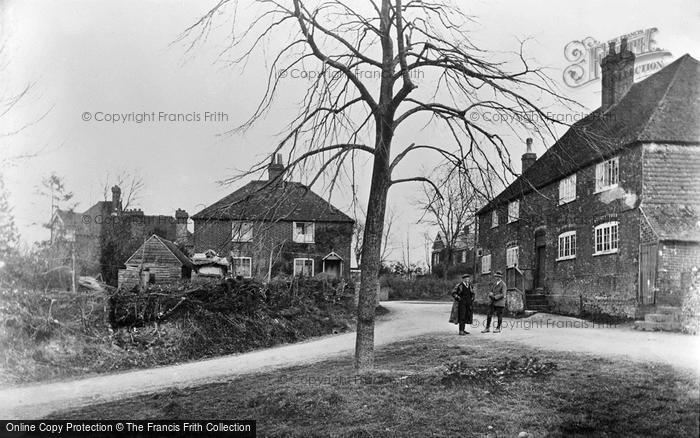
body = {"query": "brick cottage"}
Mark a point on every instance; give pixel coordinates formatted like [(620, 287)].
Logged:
[(607, 220), (276, 227)]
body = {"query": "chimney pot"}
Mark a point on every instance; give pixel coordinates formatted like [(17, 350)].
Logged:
[(116, 199), (276, 167), (528, 158)]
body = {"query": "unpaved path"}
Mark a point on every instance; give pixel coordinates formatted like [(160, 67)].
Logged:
[(406, 320)]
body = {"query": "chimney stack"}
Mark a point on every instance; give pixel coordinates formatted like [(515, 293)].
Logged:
[(116, 200), (181, 217), (618, 74), (276, 168), (529, 157)]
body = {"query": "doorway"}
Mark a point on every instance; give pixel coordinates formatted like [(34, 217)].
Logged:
[(538, 279)]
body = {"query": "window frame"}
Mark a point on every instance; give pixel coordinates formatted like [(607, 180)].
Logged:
[(509, 252), (515, 218), (572, 179), (294, 232), (572, 246), (294, 267), (494, 218), (484, 257), (250, 266), (602, 227), (601, 171), (241, 236)]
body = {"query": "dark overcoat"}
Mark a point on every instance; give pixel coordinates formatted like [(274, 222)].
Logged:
[(462, 307)]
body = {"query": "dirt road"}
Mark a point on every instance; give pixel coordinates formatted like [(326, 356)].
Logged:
[(405, 320)]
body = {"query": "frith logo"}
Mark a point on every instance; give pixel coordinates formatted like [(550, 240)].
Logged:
[(585, 56)]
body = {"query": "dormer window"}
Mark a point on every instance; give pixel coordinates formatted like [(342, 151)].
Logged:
[(494, 218)]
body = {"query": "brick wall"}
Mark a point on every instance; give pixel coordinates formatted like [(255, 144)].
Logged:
[(588, 283)]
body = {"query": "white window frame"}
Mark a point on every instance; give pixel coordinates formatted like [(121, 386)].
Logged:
[(304, 259), (494, 218), (607, 174), (250, 266), (606, 235), (512, 255), (567, 189), (513, 211), (296, 237), (237, 231), (566, 241), (436, 258), (463, 256), (486, 264)]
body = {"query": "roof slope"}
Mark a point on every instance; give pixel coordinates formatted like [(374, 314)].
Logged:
[(260, 200), (147, 250), (665, 107)]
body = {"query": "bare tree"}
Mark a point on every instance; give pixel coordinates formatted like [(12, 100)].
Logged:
[(131, 185), (367, 56), (451, 204)]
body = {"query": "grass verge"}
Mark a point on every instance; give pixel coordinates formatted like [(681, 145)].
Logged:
[(442, 386)]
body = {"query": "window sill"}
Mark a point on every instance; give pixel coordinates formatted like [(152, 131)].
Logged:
[(605, 189), (605, 253), (561, 259), (564, 202), (241, 241), (513, 221)]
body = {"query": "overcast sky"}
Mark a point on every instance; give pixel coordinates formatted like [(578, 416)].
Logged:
[(117, 57)]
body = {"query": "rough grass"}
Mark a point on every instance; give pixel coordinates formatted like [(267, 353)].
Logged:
[(442, 386), (43, 335)]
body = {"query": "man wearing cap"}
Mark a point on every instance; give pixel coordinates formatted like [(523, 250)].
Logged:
[(497, 296), (463, 295)]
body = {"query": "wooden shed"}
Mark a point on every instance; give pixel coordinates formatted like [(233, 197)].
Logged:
[(156, 261)]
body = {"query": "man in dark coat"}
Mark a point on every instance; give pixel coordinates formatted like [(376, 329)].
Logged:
[(463, 295), (497, 296)]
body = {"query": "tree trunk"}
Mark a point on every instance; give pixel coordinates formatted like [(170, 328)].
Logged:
[(371, 261)]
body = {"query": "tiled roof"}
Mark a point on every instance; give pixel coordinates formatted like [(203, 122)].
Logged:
[(176, 252), (665, 107), (260, 200), (674, 222)]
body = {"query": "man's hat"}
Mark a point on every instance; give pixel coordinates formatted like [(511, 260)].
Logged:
[(499, 274), (466, 275)]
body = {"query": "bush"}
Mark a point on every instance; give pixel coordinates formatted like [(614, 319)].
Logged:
[(419, 288), (55, 334)]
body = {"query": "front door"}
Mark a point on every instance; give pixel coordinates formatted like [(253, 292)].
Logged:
[(538, 279), (647, 273), (332, 268)]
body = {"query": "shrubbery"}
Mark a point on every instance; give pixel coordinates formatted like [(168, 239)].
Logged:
[(419, 288), (53, 334)]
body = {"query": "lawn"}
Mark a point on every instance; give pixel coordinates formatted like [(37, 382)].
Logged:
[(442, 386)]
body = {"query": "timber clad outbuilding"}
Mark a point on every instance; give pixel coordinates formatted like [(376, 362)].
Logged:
[(607, 221), (156, 261), (273, 227)]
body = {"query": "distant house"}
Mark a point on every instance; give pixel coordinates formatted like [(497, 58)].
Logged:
[(460, 256), (273, 227), (608, 219), (106, 234), (156, 261)]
